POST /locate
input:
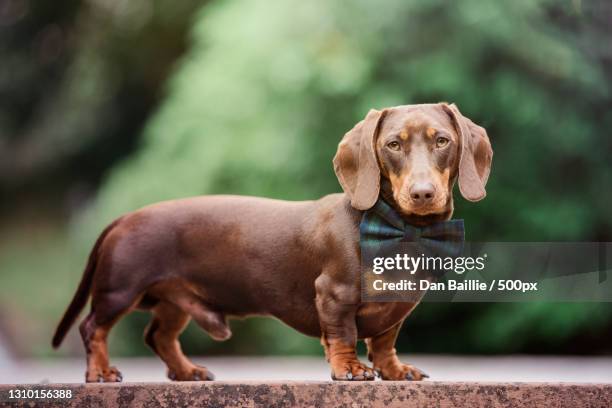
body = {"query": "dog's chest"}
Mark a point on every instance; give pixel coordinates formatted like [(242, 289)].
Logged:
[(376, 317)]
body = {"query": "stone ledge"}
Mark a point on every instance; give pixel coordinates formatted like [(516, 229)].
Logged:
[(320, 394)]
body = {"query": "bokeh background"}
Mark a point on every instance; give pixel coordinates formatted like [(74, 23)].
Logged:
[(108, 105)]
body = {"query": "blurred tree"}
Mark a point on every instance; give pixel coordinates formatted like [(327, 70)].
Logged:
[(77, 81)]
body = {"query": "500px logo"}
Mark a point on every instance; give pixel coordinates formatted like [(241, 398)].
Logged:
[(412, 264)]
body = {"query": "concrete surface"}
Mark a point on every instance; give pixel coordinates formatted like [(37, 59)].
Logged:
[(324, 394), (439, 367)]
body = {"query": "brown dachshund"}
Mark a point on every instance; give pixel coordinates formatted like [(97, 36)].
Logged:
[(209, 258)]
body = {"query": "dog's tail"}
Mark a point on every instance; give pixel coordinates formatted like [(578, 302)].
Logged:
[(82, 294)]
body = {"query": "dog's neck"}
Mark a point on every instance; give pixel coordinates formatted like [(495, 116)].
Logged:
[(386, 193)]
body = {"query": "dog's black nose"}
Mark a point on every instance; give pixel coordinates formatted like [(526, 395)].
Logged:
[(422, 193)]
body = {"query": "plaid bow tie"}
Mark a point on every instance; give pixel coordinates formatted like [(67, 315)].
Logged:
[(382, 229)]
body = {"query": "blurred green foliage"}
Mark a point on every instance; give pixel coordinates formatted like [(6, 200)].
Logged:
[(266, 90), (76, 85)]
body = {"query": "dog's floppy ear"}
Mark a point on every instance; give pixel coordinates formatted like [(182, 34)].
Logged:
[(355, 162), (475, 156)]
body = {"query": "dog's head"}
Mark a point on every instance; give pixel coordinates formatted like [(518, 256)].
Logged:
[(413, 155)]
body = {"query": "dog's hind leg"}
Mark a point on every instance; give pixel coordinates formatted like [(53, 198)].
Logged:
[(94, 338), (162, 336), (106, 309)]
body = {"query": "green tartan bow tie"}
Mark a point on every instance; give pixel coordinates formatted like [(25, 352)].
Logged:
[(382, 230)]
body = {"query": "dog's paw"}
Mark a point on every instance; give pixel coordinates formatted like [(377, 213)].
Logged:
[(352, 371), (110, 374), (195, 374), (401, 372)]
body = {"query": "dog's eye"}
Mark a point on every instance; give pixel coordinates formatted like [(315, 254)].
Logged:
[(441, 142), (393, 145)]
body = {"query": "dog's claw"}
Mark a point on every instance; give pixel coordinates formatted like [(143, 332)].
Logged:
[(377, 373), (119, 377), (409, 377), (100, 379), (349, 376), (424, 375), (172, 375), (210, 376), (196, 377)]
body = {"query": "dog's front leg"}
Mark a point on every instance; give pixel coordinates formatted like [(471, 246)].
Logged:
[(381, 352), (336, 306)]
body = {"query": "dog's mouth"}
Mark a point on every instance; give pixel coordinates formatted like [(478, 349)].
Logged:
[(439, 206), (438, 209)]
